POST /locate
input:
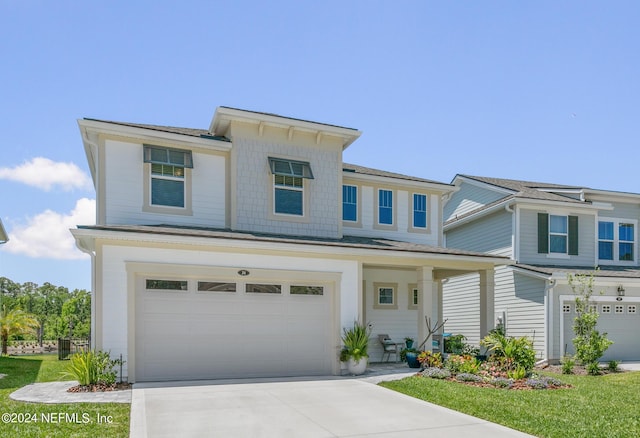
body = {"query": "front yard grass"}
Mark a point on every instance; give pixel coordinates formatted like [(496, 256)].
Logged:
[(596, 406), (65, 420)]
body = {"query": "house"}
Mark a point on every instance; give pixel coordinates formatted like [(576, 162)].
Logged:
[(244, 249), (4, 237), (549, 231)]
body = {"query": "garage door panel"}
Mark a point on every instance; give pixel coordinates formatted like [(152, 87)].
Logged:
[(621, 328), (210, 335)]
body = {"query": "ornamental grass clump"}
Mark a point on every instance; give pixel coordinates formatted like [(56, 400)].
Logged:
[(92, 368), (356, 341)]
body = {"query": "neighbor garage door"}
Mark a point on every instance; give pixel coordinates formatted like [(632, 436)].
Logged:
[(619, 319), (211, 328)]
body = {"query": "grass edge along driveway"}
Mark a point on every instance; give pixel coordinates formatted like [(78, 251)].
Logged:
[(596, 406), (52, 420)]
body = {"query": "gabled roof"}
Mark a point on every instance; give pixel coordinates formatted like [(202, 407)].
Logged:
[(200, 133), (346, 167), (530, 189)]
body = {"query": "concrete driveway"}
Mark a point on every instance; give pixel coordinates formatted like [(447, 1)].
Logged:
[(331, 407)]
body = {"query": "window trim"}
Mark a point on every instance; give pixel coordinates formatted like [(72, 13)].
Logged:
[(412, 305), (290, 188), (616, 241), (393, 226), (356, 203), (148, 207), (412, 210), (304, 165), (394, 296), (544, 235)]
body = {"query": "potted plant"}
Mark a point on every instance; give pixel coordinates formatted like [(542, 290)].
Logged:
[(409, 342), (355, 350), (412, 358)]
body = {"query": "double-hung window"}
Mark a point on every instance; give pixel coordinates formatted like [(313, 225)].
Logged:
[(350, 203), (419, 210), (557, 234), (385, 207), (167, 185), (616, 240), (288, 185)]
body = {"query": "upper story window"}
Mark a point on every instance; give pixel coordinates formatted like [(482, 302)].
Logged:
[(288, 185), (385, 207), (557, 234), (350, 203), (616, 240), (419, 210), (168, 176)]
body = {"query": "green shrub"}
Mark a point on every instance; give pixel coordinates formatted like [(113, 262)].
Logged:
[(467, 377), (512, 352), (92, 367), (356, 341), (613, 366), (462, 364), (593, 368), (436, 373), (516, 374), (568, 362)]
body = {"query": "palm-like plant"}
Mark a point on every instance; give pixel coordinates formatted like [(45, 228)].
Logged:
[(16, 322)]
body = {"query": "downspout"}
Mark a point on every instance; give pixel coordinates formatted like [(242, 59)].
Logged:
[(514, 230), (548, 318)]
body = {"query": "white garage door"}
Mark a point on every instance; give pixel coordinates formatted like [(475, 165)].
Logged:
[(620, 320), (211, 329)]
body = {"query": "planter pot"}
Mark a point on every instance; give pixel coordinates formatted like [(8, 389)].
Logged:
[(357, 367), (409, 344), (412, 360)]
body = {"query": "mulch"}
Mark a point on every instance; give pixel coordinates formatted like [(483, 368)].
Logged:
[(100, 387)]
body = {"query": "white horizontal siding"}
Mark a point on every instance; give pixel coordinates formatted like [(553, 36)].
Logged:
[(469, 198), (124, 186), (622, 211), (403, 200), (461, 307)]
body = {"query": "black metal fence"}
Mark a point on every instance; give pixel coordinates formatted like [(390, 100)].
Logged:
[(69, 346)]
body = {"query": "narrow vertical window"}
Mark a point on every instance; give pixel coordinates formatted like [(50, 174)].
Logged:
[(558, 234), (626, 237), (605, 240), (350, 203), (419, 210), (385, 207)]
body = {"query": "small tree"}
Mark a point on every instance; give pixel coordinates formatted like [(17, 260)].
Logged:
[(16, 322), (589, 343)]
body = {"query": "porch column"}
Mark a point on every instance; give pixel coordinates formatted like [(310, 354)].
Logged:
[(487, 290), (425, 301)]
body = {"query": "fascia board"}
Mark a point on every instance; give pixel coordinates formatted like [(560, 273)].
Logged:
[(526, 272), (604, 195), (146, 135), (441, 188), (223, 117), (540, 203), (88, 237)]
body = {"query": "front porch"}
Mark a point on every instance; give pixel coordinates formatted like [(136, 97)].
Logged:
[(397, 299)]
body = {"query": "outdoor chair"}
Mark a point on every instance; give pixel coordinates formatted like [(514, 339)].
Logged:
[(389, 346)]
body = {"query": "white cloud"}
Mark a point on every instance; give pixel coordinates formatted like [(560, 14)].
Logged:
[(44, 174), (47, 235)]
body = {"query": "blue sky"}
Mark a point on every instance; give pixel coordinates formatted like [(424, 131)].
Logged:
[(544, 91)]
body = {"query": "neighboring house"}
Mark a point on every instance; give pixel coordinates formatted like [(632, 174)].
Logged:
[(550, 231), (4, 237), (244, 249)]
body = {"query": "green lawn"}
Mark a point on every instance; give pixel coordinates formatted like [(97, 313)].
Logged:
[(600, 406), (24, 370)]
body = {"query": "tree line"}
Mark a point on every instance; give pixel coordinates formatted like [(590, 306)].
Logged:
[(60, 312)]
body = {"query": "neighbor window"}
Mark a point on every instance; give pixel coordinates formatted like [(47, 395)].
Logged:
[(385, 207), (419, 210), (616, 240), (558, 233), (167, 175), (350, 203), (288, 185)]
